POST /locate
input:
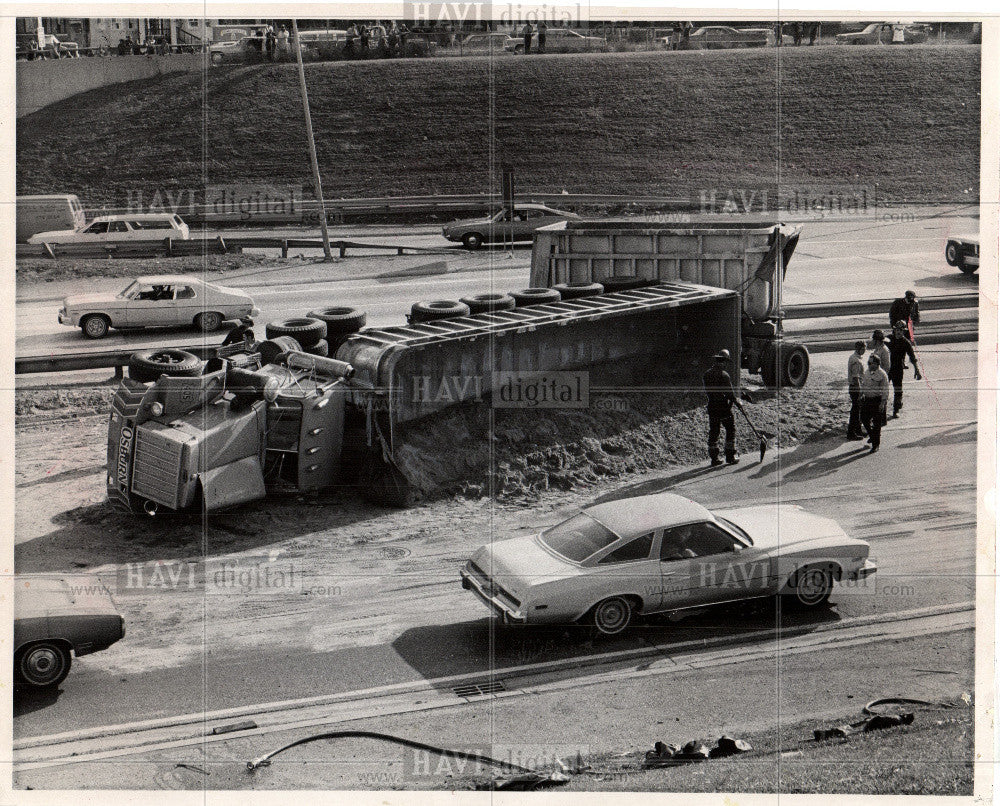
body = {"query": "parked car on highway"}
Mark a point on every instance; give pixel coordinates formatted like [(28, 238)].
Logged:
[(474, 232), (560, 40), (713, 37), (56, 617), (886, 33), (231, 51), (112, 228), (963, 251), (157, 301), (662, 554)]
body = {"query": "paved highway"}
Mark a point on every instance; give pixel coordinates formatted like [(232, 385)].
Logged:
[(835, 260)]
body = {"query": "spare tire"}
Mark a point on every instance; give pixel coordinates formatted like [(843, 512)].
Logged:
[(320, 348), (146, 366), (437, 309), (271, 348), (488, 303), (578, 290), (535, 296), (340, 320), (305, 330), (612, 284)]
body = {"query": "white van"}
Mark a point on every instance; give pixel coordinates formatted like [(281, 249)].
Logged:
[(47, 213)]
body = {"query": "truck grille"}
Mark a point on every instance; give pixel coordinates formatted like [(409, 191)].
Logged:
[(156, 469)]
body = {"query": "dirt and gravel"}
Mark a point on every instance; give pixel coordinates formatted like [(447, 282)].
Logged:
[(32, 271), (596, 123)]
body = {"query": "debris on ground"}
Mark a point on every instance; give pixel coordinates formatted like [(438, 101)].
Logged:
[(667, 755)]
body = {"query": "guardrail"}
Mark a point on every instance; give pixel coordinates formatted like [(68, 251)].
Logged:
[(820, 339), (170, 247)]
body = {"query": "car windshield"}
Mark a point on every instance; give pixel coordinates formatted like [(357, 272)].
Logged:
[(578, 538), (128, 290), (737, 530)]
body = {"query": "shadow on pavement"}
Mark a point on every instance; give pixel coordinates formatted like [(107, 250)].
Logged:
[(952, 436), (482, 647), (27, 700)]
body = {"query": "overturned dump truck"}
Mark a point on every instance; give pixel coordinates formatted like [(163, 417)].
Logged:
[(750, 259), (262, 417)]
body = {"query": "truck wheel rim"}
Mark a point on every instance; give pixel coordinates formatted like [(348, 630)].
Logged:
[(796, 368), (612, 616), (812, 586), (42, 665)]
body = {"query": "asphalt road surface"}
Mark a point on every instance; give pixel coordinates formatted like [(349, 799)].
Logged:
[(401, 616), (835, 260)]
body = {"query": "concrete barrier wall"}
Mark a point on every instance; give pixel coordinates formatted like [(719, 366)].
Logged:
[(40, 83)]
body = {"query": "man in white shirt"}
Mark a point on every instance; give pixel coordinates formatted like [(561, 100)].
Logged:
[(874, 398), (855, 369)]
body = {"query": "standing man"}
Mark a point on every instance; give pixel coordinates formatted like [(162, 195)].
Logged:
[(721, 398), (527, 32), (797, 33), (900, 347), (880, 351), (542, 30), (855, 369), (907, 309), (283, 46), (813, 32), (874, 398), (403, 33)]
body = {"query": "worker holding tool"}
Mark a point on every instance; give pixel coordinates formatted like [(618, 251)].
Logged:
[(907, 310), (874, 398), (900, 347), (721, 398)]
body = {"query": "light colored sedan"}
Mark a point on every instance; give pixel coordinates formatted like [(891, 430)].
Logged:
[(56, 617), (717, 37), (662, 554), (158, 301), (559, 40), (963, 251), (519, 224), (115, 228)]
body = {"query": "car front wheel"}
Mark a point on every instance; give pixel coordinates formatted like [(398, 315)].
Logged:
[(612, 616), (812, 587), (472, 241), (951, 254), (208, 322), (42, 665), (95, 326)]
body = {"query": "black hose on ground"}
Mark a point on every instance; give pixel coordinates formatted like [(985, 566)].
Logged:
[(870, 708), (385, 737)]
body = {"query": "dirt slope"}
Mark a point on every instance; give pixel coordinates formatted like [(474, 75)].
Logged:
[(664, 123)]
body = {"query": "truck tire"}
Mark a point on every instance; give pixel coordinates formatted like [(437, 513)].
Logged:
[(488, 303), (437, 309), (613, 284), (305, 330), (272, 348), (320, 348), (340, 320), (535, 296), (794, 364), (569, 291), (147, 366)]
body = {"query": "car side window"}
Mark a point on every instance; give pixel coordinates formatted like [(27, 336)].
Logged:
[(534, 213), (98, 227), (184, 292), (117, 226), (695, 540), (632, 551)]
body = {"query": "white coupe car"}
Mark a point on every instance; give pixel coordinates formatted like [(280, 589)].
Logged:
[(157, 301), (114, 228), (662, 554)]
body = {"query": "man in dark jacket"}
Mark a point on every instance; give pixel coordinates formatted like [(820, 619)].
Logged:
[(900, 347), (721, 399), (527, 32), (906, 309)]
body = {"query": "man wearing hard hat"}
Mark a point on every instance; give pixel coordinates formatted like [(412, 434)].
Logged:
[(721, 399)]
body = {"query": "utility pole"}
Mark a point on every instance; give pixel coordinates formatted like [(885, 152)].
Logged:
[(317, 184)]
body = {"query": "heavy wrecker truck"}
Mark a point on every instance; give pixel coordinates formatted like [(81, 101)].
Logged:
[(260, 416)]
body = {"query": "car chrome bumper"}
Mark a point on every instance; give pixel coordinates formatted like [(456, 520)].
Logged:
[(62, 318), (501, 610), (864, 571), (255, 311), (971, 260)]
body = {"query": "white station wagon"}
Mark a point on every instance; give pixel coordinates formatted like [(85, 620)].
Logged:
[(158, 301), (111, 228), (662, 554)]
